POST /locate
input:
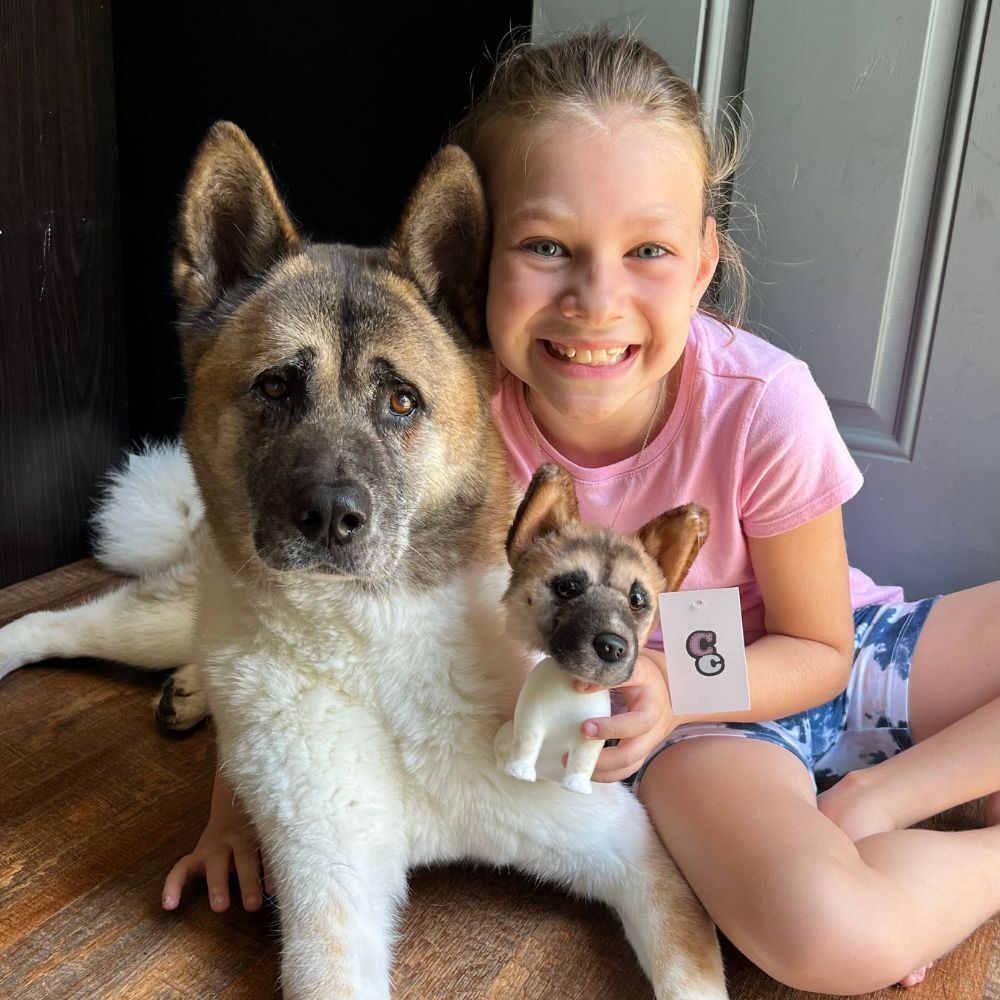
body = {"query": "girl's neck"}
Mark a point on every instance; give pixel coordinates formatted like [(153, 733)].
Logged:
[(621, 436)]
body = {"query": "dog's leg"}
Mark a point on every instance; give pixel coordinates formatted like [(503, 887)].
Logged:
[(335, 839), (607, 849), (145, 623), (134, 624)]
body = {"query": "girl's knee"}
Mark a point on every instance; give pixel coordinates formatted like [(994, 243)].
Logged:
[(818, 931)]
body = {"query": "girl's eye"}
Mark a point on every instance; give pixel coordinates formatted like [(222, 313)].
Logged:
[(637, 599), (402, 402), (648, 251), (545, 248), (274, 387)]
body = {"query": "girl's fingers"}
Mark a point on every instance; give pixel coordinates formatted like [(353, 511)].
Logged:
[(620, 727), (217, 865), (248, 875), (619, 762), (173, 884)]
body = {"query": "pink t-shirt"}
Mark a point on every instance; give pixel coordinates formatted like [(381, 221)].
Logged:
[(750, 438)]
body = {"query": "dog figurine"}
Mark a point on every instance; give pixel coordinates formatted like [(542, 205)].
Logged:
[(587, 598), (347, 620)]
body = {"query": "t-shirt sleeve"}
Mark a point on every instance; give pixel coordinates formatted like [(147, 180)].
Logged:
[(796, 465)]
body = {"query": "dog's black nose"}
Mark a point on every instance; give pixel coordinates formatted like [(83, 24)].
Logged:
[(332, 514), (610, 647)]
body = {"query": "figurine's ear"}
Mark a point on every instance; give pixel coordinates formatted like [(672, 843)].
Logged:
[(674, 538), (549, 504)]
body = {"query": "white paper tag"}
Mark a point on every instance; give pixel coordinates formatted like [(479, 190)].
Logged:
[(704, 649)]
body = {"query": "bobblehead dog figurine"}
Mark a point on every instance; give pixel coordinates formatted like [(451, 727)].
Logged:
[(586, 597)]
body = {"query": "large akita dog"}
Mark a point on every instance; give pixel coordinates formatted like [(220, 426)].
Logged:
[(349, 620)]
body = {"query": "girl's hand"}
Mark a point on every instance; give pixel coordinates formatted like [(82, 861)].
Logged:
[(639, 730), (228, 843)]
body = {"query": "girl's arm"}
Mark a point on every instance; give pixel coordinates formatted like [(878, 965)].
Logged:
[(228, 842), (804, 660)]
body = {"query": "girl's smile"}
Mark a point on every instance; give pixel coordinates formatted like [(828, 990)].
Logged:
[(601, 254), (588, 359)]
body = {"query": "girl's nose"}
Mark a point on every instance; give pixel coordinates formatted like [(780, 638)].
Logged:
[(595, 296)]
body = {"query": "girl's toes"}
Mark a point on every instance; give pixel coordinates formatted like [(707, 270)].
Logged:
[(915, 977)]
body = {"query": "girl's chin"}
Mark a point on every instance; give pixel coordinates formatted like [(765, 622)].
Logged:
[(586, 410)]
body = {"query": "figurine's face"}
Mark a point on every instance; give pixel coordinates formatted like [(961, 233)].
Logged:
[(587, 598)]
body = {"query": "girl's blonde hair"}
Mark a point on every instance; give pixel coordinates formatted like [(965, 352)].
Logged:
[(587, 75)]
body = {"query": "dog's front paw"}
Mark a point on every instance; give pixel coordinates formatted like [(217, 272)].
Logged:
[(182, 703), (518, 769), (577, 783)]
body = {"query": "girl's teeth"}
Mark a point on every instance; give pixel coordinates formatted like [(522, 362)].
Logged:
[(593, 358)]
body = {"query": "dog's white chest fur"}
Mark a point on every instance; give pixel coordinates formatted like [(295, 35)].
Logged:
[(547, 724)]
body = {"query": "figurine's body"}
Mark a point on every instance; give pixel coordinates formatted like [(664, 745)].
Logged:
[(548, 717), (586, 597)]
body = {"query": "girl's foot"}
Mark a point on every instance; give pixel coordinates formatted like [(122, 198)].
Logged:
[(852, 805)]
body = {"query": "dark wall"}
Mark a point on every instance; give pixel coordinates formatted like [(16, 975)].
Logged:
[(346, 102), (62, 354)]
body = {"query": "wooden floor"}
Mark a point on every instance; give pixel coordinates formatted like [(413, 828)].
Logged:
[(96, 805)]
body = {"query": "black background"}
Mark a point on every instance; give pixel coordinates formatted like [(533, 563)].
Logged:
[(345, 102)]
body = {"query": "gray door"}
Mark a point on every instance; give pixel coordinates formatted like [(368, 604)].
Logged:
[(873, 163)]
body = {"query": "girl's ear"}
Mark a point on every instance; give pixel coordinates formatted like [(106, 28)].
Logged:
[(549, 505), (674, 538), (708, 259)]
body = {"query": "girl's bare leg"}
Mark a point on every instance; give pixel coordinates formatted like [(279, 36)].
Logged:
[(788, 886), (954, 707)]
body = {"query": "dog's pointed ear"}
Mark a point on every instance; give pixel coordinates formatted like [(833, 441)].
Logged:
[(549, 504), (441, 243), (233, 223), (674, 538)]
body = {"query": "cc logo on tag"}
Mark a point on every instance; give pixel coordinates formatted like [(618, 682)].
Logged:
[(701, 648)]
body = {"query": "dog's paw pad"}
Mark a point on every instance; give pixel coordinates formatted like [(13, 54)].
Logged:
[(523, 772), (577, 783)]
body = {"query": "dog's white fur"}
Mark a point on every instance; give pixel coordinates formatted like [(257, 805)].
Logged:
[(359, 732), (546, 725)]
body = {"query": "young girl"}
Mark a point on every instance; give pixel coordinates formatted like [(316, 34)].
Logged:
[(604, 187)]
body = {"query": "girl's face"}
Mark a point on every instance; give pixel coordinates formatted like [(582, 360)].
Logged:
[(600, 256)]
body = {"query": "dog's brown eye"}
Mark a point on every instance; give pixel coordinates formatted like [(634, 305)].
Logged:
[(637, 599), (402, 402), (274, 387)]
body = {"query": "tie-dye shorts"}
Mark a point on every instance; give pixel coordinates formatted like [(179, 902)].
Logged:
[(863, 725)]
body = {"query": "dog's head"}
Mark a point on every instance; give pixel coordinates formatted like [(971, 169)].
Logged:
[(338, 413), (585, 595)]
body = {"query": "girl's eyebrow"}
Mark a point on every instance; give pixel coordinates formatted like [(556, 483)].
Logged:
[(540, 212), (552, 213)]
